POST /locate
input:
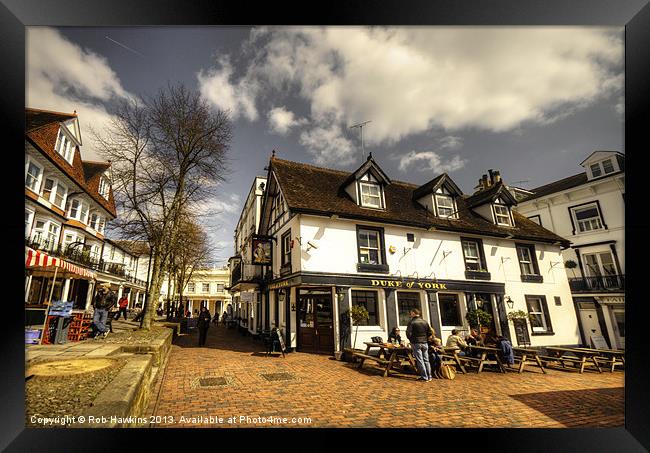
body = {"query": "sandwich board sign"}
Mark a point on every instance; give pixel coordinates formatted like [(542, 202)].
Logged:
[(599, 342)]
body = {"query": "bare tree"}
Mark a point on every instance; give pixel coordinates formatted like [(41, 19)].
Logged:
[(167, 153)]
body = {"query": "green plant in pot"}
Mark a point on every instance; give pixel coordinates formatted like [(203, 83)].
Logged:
[(518, 314), (358, 314), (570, 264), (477, 316)]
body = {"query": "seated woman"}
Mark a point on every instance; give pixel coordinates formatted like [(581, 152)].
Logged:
[(435, 351), (394, 336)]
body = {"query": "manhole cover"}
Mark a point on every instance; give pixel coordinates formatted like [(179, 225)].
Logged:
[(69, 367), (278, 376), (212, 381)]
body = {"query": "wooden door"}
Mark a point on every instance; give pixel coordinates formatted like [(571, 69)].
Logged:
[(315, 322)]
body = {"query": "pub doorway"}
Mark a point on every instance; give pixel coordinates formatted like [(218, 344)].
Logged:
[(315, 321)]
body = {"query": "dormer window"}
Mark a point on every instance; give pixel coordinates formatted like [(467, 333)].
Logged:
[(103, 187), (370, 195), (608, 166), (501, 213), (444, 200), (64, 146)]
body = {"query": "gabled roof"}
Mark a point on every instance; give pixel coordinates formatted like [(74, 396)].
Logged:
[(490, 194), (42, 129), (368, 165), (616, 153), (434, 185), (315, 190)]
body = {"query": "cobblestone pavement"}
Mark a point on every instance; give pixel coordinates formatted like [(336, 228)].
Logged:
[(331, 393)]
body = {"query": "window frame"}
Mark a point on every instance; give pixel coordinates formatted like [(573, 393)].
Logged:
[(575, 223), (39, 178), (379, 196), (285, 260), (70, 145), (78, 217), (458, 312), (497, 215), (31, 213), (546, 318), (482, 273), (382, 266), (602, 163), (191, 287), (203, 289), (369, 322), (420, 307), (453, 205), (539, 219), (534, 277)]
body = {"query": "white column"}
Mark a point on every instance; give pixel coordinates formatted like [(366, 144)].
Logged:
[(28, 286), (89, 295), (119, 292), (66, 289)]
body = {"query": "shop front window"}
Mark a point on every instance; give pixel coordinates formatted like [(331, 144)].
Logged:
[(368, 300), (405, 303), (449, 310)]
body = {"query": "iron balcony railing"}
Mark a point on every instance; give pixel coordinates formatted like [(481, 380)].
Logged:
[(599, 283), (82, 257)]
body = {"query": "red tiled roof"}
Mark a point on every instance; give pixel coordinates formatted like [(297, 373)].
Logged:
[(42, 129), (316, 190)]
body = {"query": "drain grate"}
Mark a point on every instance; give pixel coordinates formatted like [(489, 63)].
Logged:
[(278, 376), (212, 381)]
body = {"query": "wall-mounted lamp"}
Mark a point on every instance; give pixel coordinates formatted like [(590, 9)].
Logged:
[(509, 302)]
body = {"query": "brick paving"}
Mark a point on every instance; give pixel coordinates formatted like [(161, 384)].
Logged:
[(331, 393)]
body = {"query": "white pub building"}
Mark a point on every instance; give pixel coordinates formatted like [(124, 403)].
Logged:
[(589, 209), (339, 239)]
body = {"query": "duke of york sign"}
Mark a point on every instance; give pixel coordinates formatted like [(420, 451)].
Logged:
[(402, 284)]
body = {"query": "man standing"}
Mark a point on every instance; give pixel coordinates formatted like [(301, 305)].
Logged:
[(417, 332), (123, 303), (104, 300), (203, 323)]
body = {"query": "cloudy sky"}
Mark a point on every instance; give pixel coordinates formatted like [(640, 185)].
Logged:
[(532, 102)]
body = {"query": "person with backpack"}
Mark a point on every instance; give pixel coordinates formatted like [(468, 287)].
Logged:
[(417, 332)]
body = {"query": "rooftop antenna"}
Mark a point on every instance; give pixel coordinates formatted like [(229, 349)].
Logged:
[(360, 126)]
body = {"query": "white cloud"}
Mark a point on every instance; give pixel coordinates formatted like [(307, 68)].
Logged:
[(408, 80), (62, 76), (238, 98), (282, 120), (430, 161), (450, 142), (230, 204), (328, 146)]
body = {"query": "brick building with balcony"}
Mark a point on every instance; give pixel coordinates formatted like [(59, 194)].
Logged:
[(68, 203), (588, 209)]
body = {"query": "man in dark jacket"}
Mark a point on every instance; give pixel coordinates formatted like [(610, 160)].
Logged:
[(417, 332), (104, 300), (203, 323)]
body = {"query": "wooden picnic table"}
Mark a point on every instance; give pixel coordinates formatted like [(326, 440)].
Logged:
[(581, 357), (393, 355), (487, 356), (610, 357), (527, 357)]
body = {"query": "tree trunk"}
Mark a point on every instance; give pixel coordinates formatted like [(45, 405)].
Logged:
[(154, 293)]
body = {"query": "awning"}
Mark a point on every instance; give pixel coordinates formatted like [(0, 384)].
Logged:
[(40, 259)]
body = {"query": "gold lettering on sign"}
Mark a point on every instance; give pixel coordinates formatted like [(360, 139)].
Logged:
[(374, 282), (401, 284)]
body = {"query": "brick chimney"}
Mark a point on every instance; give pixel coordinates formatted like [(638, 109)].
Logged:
[(488, 180)]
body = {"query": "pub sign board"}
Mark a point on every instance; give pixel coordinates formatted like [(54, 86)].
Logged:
[(262, 251)]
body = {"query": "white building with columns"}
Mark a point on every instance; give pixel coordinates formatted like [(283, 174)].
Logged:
[(339, 239), (588, 209)]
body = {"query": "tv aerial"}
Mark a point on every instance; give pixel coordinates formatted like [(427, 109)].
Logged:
[(360, 126)]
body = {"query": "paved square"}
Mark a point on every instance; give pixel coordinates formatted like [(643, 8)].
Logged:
[(329, 393)]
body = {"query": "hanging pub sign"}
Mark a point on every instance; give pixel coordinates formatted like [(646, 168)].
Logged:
[(262, 251)]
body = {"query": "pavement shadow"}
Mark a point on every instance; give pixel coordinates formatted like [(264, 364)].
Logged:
[(578, 408)]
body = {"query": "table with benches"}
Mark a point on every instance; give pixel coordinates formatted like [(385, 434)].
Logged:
[(609, 357), (388, 356), (485, 356), (524, 356), (579, 358), (450, 356)]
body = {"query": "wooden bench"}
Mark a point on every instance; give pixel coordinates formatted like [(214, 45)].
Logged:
[(525, 357)]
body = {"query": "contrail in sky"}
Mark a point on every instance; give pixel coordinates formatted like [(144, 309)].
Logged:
[(122, 45)]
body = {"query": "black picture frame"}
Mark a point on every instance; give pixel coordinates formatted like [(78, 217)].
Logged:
[(633, 14)]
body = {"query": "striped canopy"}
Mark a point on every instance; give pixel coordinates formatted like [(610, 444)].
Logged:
[(40, 259)]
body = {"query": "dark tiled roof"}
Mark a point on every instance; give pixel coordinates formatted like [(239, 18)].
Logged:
[(489, 194), (37, 118), (42, 129), (316, 190), (557, 186), (433, 185)]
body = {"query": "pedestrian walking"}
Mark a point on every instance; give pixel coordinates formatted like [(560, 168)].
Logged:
[(104, 300), (224, 318), (417, 332), (203, 323), (122, 303)]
